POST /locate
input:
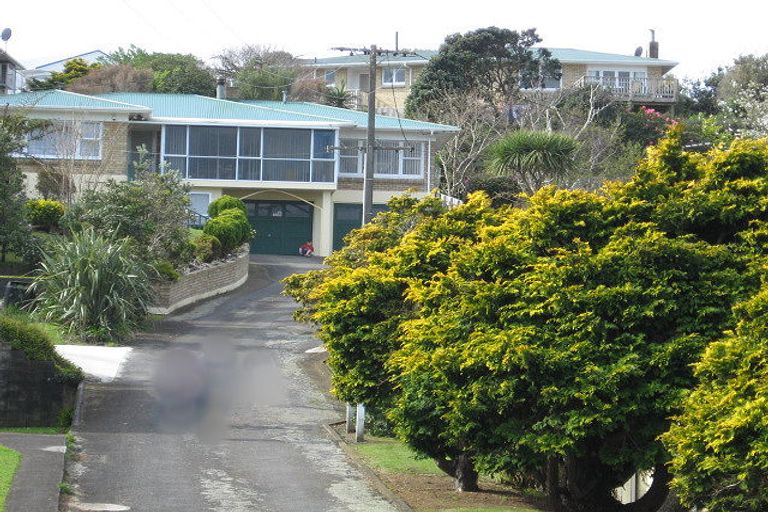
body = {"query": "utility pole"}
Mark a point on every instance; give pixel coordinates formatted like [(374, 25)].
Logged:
[(370, 154), (370, 147)]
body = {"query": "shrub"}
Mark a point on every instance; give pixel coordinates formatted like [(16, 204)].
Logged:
[(207, 248), (45, 213), (227, 229), (93, 285), (225, 203), (231, 227), (37, 345), (166, 271), (152, 210), (32, 249)]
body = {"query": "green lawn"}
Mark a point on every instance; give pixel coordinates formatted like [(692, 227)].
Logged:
[(393, 456), (9, 463), (58, 334)]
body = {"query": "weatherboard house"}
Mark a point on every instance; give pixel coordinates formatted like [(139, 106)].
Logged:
[(297, 166)]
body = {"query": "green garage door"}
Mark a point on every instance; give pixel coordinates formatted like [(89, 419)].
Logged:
[(346, 217), (281, 226)]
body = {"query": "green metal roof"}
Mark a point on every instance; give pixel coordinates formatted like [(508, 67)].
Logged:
[(192, 106), (352, 60), (358, 118), (572, 55), (566, 55), (64, 100)]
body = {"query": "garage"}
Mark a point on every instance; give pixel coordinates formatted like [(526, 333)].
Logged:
[(281, 226), (346, 217)]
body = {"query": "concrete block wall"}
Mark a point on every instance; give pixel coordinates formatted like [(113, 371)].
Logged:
[(572, 73), (199, 285), (30, 393)]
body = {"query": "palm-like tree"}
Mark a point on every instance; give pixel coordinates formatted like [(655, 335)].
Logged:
[(338, 96), (532, 158)]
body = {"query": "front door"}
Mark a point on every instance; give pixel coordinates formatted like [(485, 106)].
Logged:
[(281, 226)]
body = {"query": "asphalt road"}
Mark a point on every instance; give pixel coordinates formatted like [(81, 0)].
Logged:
[(214, 411)]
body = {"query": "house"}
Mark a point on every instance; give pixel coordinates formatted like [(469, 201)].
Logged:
[(632, 78), (44, 71), (10, 78), (297, 166)]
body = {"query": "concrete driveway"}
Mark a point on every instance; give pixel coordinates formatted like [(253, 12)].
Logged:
[(215, 411)]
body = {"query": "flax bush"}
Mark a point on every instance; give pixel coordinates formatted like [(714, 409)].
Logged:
[(94, 285)]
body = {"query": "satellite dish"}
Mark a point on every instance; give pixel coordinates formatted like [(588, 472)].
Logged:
[(6, 34), (639, 51)]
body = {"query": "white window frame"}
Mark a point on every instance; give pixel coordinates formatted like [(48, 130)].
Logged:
[(60, 125), (393, 82), (402, 157), (185, 172)]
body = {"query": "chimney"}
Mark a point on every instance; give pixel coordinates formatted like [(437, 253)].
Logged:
[(221, 88), (653, 46)]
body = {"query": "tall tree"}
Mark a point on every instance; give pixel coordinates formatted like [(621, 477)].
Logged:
[(13, 226), (492, 61), (172, 72)]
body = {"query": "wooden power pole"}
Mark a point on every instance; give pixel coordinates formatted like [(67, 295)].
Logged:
[(370, 146)]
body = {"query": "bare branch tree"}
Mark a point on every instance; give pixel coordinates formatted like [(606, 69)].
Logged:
[(459, 157)]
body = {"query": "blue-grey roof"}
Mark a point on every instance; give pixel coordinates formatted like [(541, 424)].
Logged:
[(358, 118), (65, 100), (565, 55)]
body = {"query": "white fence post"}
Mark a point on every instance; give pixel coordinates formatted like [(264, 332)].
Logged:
[(360, 424), (350, 418)]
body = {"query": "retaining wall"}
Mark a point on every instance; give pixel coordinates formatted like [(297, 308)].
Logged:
[(199, 285)]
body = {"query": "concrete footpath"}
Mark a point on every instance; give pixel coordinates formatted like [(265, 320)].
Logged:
[(36, 485)]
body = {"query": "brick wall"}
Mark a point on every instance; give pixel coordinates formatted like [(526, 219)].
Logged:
[(382, 184), (86, 173), (199, 285)]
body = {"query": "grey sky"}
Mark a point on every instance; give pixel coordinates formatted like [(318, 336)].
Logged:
[(692, 33)]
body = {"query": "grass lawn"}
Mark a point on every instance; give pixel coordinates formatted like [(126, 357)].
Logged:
[(393, 456), (427, 489), (58, 334), (9, 462)]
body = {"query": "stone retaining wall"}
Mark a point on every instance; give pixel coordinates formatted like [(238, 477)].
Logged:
[(199, 285)]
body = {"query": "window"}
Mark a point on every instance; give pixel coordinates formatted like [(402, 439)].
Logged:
[(253, 154), (199, 202), (393, 76), (67, 140), (393, 158), (551, 82), (330, 77)]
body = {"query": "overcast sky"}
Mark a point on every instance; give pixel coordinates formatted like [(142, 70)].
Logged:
[(699, 37)]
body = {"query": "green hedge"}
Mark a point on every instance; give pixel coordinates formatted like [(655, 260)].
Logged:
[(37, 345), (225, 203), (45, 213)]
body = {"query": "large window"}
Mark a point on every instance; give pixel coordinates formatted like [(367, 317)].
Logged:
[(393, 158), (253, 154), (67, 140), (330, 77), (393, 76)]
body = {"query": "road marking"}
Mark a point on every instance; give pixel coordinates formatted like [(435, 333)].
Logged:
[(100, 507), (55, 449)]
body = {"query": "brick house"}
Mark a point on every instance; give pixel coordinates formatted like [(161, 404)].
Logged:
[(297, 166)]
